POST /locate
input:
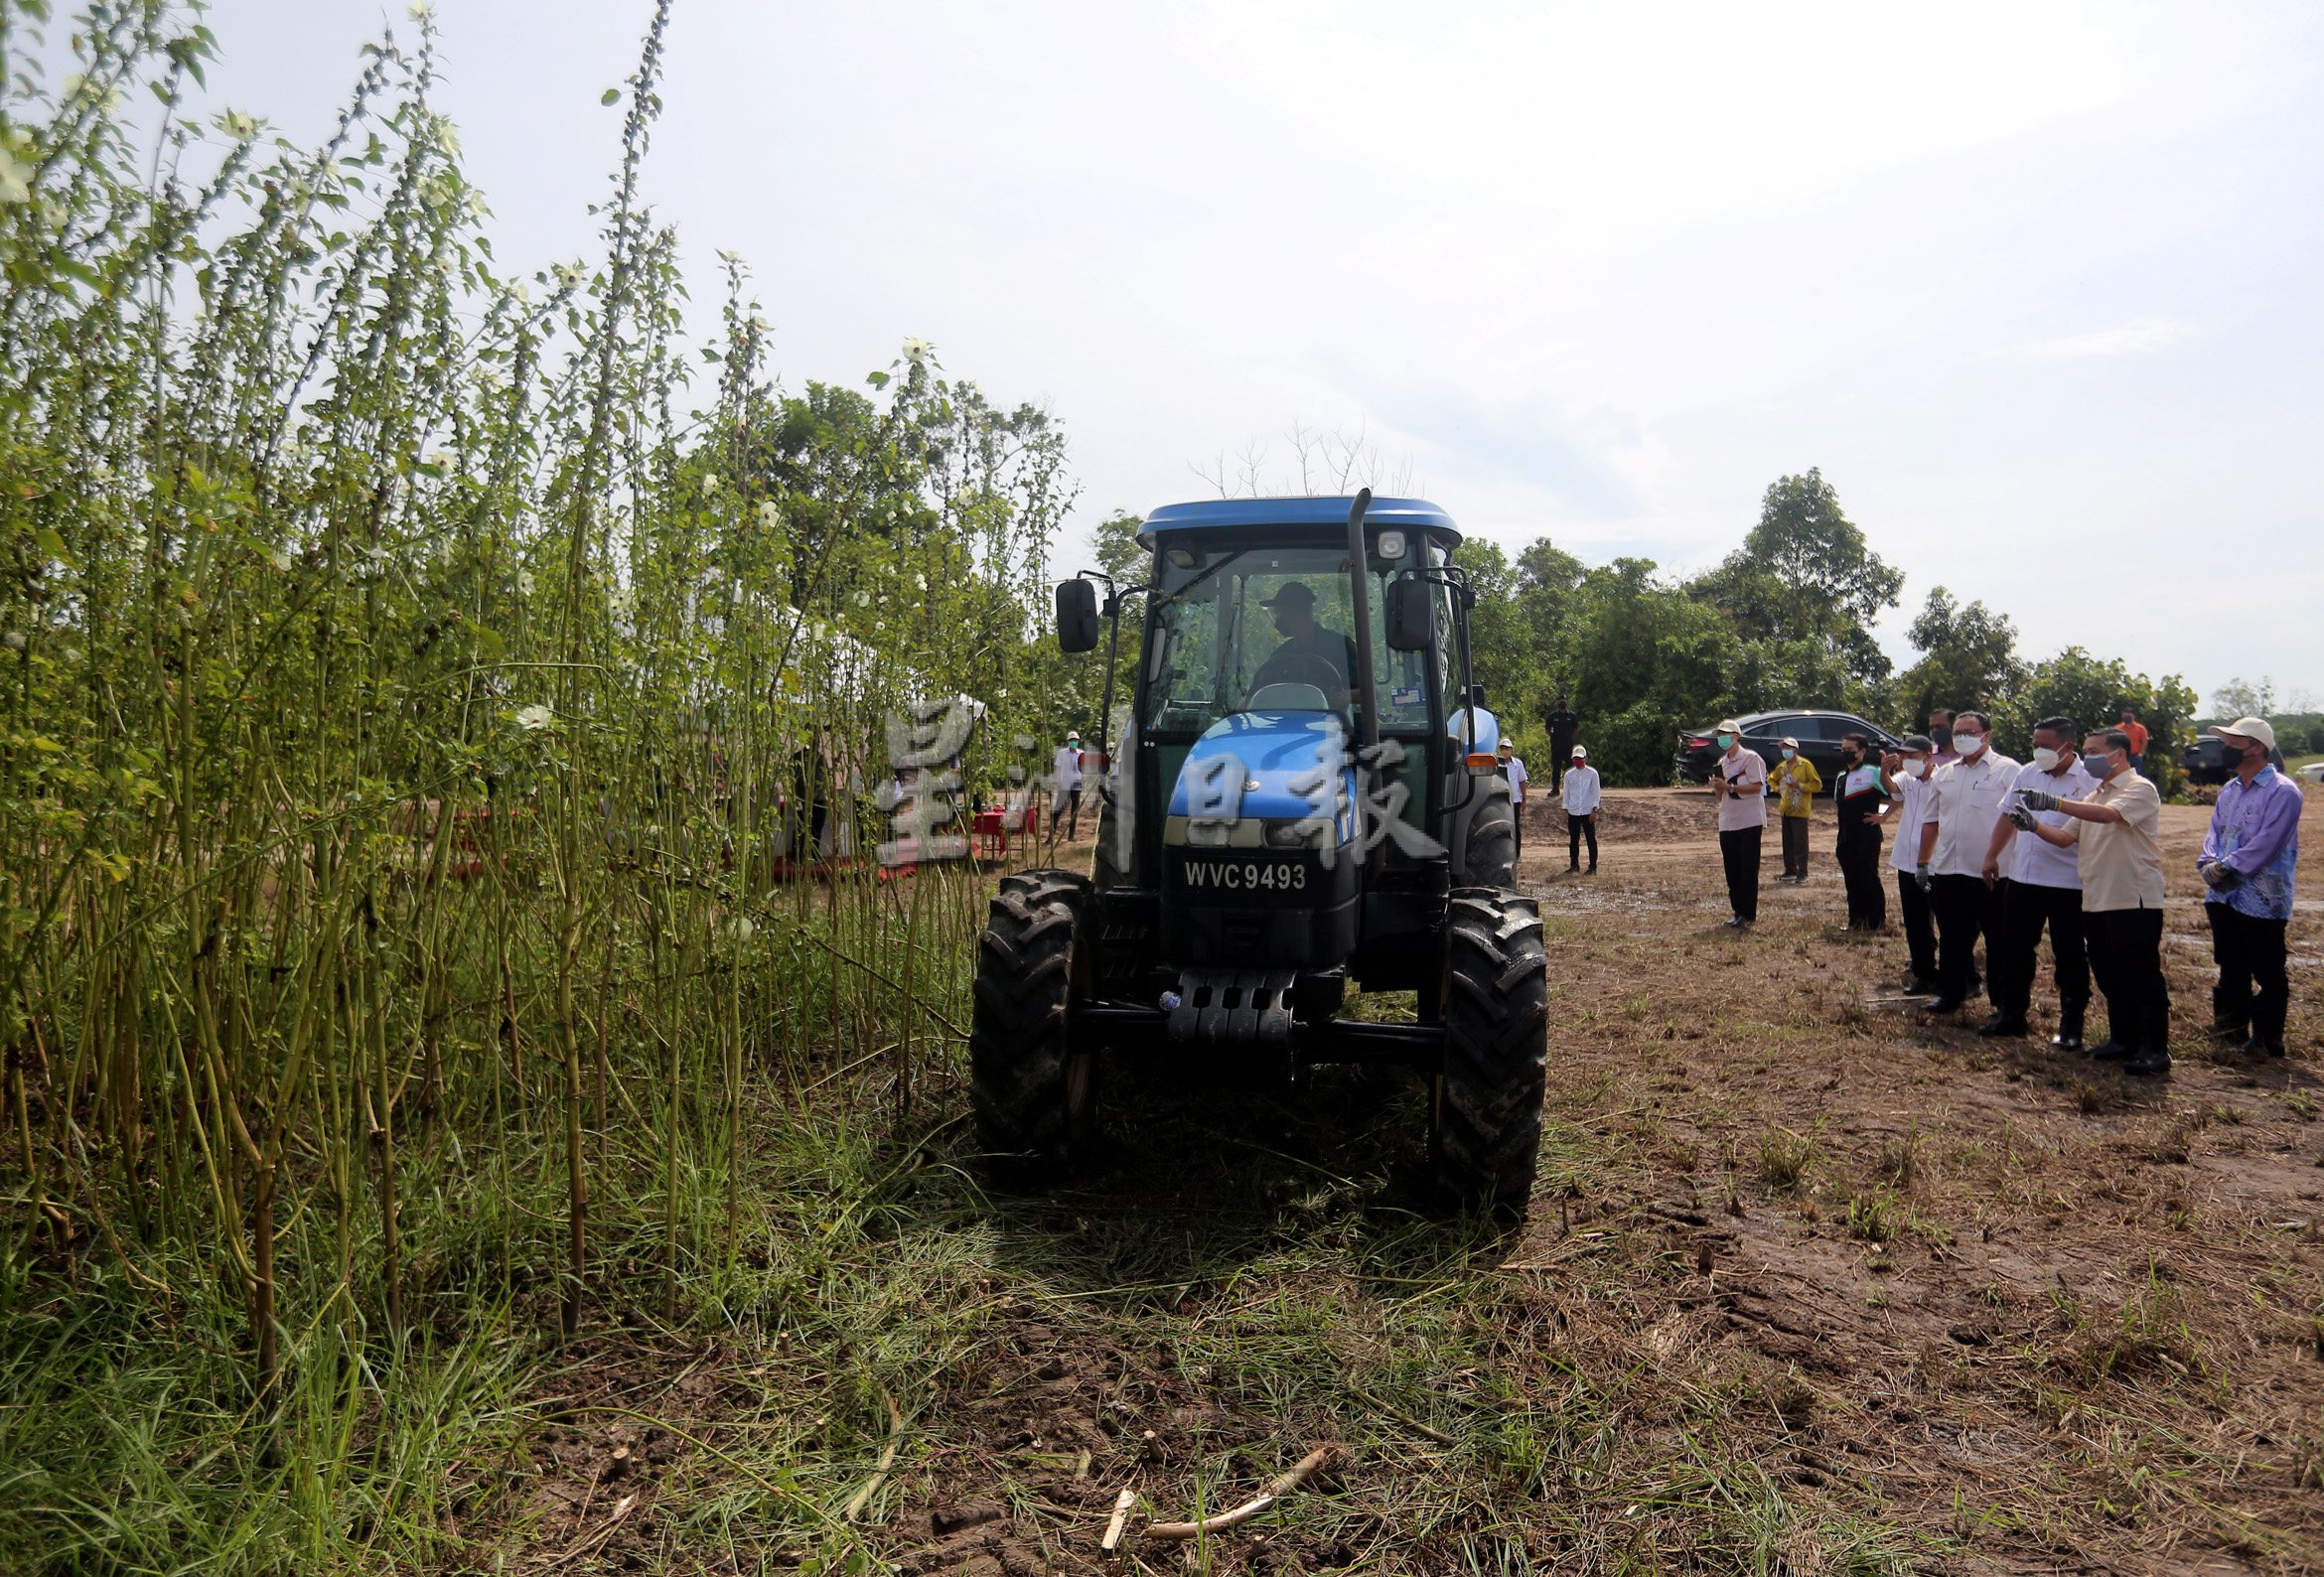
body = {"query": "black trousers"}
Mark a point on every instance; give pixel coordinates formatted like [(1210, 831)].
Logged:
[(1795, 846), (2125, 958), (2253, 990), (2027, 907), (1967, 909), (1919, 928), (1070, 801), (1858, 853), (1739, 853), (1560, 751), (1576, 830), (1517, 824)]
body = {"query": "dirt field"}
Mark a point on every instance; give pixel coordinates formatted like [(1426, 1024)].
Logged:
[(1810, 1284)]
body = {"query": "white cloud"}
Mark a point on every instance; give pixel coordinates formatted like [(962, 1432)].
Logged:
[(2135, 337)]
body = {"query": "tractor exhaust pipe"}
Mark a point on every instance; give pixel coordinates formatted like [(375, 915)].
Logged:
[(1366, 687)]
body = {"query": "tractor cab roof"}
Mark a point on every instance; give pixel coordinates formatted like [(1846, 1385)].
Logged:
[(1225, 515)]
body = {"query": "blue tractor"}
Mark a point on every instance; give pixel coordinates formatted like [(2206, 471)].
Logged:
[(1305, 799)]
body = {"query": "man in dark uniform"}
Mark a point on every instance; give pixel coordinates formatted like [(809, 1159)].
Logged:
[(1563, 726), (1861, 793), (1307, 644)]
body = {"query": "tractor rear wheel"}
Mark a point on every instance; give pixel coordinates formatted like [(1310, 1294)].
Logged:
[(1033, 1090), (1485, 1129), (1490, 856)]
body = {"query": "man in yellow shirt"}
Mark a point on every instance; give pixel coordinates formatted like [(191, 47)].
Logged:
[(1796, 782)]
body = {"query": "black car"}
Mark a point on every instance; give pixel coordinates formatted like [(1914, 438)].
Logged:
[(1819, 733), (2205, 761)]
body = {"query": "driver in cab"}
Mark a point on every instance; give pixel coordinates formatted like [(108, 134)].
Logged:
[(1310, 653)]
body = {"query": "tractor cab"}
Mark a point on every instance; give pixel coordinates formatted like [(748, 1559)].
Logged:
[(1304, 801)]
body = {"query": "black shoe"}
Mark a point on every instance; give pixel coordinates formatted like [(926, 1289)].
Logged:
[(2261, 1045), (1593, 870), (1920, 986), (2068, 1036), (2232, 1030), (2001, 1025), (2109, 1051), (2148, 1059), (1950, 1002), (1572, 869)]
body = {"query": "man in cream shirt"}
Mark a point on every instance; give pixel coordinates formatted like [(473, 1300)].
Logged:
[(1965, 798), (2112, 834)]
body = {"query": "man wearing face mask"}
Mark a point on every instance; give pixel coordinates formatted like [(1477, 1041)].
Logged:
[(2112, 833), (1796, 782), (2044, 890), (1740, 779), (1861, 793), (1905, 775), (1940, 732), (1965, 800), (2249, 857)]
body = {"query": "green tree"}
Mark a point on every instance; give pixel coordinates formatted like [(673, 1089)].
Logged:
[(1808, 585), (1969, 659), (2092, 691), (1648, 659)]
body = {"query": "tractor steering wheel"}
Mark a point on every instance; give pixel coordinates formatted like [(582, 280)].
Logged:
[(1300, 668)]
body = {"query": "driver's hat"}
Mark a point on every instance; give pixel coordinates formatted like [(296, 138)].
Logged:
[(1292, 594)]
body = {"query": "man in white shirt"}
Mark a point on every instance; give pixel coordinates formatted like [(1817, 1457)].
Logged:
[(2044, 889), (1739, 780), (1904, 774), (1581, 808), (1513, 767), (1965, 798), (1066, 797)]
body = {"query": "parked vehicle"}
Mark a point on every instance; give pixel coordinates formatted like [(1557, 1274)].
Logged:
[(1820, 735), (2205, 762)]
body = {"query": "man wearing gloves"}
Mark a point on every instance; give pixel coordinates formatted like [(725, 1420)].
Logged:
[(1740, 779), (2044, 892), (1581, 808), (2247, 860), (1965, 800), (1796, 782), (2113, 832), (1904, 772)]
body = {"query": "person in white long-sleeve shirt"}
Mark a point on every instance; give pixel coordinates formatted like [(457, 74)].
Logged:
[(1965, 798), (1581, 808), (1067, 794), (1904, 772)]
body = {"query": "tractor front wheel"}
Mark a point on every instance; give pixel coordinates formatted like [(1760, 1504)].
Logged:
[(1491, 850), (1033, 1090), (1485, 1130)]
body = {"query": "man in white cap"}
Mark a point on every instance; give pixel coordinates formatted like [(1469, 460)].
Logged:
[(1740, 779), (1066, 797), (1795, 783), (2248, 861), (1581, 808)]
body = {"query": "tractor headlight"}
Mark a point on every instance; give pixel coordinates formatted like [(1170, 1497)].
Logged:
[(1300, 834)]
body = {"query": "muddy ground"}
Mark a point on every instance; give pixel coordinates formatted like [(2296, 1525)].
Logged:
[(1812, 1283)]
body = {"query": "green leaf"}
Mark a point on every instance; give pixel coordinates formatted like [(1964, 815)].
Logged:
[(52, 546), (612, 95)]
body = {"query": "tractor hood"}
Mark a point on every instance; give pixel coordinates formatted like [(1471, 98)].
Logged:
[(1252, 769)]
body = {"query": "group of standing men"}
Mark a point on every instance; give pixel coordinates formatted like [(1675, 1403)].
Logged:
[(2065, 846), (1571, 779)]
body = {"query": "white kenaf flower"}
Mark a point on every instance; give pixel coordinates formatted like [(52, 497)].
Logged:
[(536, 717), (525, 583), (770, 517), (917, 350), (742, 927), (238, 125), (15, 178), (419, 10)]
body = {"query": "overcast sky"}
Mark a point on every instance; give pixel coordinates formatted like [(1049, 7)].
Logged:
[(2037, 287)]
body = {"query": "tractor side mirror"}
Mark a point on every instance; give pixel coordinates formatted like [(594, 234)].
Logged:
[(1412, 624), (1077, 616)]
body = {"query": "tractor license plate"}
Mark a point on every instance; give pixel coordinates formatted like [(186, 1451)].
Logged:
[(1254, 878)]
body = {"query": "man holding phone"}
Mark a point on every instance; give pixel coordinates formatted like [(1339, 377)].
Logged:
[(1740, 777)]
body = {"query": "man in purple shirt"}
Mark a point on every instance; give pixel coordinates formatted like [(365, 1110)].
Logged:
[(2247, 860)]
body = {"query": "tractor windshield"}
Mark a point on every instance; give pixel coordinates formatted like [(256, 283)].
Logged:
[(1270, 628)]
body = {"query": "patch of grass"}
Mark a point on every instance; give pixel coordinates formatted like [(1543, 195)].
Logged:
[(1785, 1158)]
